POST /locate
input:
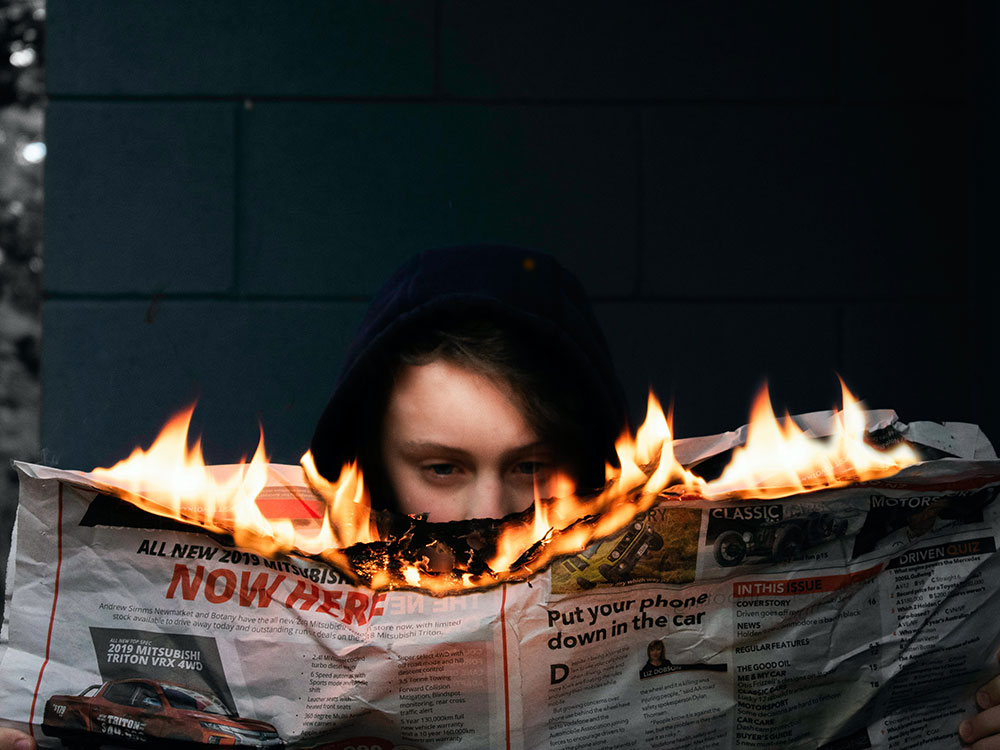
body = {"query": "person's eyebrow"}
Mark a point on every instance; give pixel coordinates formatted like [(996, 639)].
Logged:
[(537, 446), (430, 447)]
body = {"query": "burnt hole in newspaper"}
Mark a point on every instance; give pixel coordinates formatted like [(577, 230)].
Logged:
[(114, 512)]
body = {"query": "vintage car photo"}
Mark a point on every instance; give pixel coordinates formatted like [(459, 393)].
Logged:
[(138, 712), (778, 541)]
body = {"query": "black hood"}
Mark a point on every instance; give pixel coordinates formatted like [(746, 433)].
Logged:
[(526, 290)]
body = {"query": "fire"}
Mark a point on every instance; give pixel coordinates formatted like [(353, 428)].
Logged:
[(171, 479), (777, 460)]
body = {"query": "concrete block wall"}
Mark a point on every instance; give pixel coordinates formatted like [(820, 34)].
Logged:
[(774, 190)]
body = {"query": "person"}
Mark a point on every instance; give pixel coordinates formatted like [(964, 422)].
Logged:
[(477, 373), (13, 739), (654, 658)]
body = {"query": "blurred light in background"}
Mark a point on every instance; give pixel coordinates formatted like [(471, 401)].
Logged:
[(34, 152), (22, 58)]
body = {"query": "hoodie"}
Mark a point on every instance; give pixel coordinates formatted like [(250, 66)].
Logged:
[(525, 291)]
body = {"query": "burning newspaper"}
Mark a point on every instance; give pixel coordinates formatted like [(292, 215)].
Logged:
[(861, 615)]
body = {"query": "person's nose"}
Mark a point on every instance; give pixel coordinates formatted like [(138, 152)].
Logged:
[(490, 498)]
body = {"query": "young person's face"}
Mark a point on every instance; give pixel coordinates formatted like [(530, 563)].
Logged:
[(656, 653), (456, 445)]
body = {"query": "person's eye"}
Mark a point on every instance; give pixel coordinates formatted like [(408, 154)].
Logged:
[(441, 470), (530, 468)]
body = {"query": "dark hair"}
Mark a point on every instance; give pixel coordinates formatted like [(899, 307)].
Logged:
[(544, 389)]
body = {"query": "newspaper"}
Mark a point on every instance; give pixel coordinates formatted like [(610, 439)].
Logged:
[(856, 617)]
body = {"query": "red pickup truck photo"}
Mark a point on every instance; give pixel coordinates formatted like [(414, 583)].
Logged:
[(148, 713)]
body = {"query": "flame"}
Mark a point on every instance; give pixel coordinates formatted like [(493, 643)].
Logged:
[(347, 520), (170, 479), (777, 460), (780, 459), (647, 467)]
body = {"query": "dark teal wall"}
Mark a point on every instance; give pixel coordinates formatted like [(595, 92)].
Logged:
[(775, 189)]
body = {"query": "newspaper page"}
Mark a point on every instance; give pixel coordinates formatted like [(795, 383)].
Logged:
[(856, 617), (268, 651)]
